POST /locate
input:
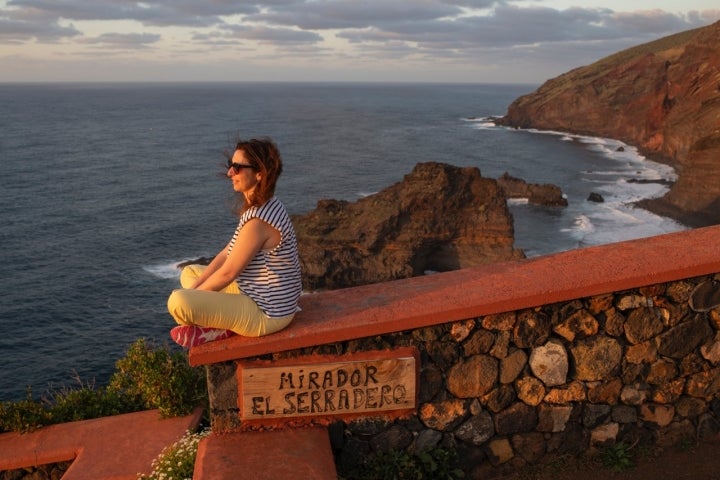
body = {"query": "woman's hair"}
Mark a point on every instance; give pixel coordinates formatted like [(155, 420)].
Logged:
[(264, 155)]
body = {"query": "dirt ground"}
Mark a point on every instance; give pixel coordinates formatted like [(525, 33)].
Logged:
[(700, 462)]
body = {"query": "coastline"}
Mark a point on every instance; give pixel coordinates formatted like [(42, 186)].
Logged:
[(659, 206), (655, 205), (662, 207)]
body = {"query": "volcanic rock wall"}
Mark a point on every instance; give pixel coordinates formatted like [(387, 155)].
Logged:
[(640, 366)]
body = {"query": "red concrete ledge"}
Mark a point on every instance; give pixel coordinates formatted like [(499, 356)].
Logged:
[(283, 454), (377, 309), (108, 448)]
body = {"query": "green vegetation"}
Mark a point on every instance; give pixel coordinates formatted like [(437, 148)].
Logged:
[(589, 73), (159, 378), (437, 463), (148, 377), (617, 457), (177, 461), (654, 47)]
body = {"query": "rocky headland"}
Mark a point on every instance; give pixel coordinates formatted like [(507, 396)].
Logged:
[(663, 97), (438, 218)]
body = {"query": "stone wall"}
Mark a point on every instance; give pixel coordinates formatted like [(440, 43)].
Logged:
[(640, 366)]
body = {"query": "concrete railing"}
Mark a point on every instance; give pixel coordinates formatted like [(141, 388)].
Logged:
[(512, 361)]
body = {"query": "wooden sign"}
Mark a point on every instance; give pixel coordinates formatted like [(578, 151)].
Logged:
[(363, 383)]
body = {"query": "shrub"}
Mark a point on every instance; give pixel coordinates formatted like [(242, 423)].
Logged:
[(24, 415), (617, 457), (159, 379), (85, 401), (435, 464), (147, 377), (177, 461)]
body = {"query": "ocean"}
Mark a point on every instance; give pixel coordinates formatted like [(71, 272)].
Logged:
[(107, 187)]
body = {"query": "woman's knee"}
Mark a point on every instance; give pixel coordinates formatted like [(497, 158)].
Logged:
[(178, 306), (190, 273)]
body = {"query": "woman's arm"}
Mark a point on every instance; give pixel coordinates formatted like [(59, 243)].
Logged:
[(212, 266), (256, 234)]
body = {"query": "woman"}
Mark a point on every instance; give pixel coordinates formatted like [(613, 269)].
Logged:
[(252, 285)]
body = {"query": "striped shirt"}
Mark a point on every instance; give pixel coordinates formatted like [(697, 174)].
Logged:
[(272, 278)]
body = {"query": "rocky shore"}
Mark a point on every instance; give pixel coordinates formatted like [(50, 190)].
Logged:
[(438, 218), (663, 97)]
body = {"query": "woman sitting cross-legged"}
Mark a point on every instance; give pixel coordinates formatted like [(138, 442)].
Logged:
[(252, 285)]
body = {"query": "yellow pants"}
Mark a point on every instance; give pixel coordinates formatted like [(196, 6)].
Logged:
[(228, 309)]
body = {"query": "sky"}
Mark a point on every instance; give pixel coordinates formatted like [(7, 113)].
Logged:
[(468, 41)]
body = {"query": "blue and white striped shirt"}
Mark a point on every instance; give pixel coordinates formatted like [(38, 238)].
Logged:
[(272, 278)]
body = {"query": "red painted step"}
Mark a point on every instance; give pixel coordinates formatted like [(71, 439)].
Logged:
[(302, 453), (108, 448)]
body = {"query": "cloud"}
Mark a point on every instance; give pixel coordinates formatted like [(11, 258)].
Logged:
[(491, 33), (151, 12), (123, 41), (341, 14), (22, 26), (427, 22), (273, 36)]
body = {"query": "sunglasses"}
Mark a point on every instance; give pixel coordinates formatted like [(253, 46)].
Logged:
[(237, 166)]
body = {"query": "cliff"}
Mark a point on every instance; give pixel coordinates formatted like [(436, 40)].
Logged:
[(663, 96), (438, 218)]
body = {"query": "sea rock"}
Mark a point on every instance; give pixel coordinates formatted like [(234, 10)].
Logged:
[(662, 97), (595, 197), (439, 218), (545, 194)]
